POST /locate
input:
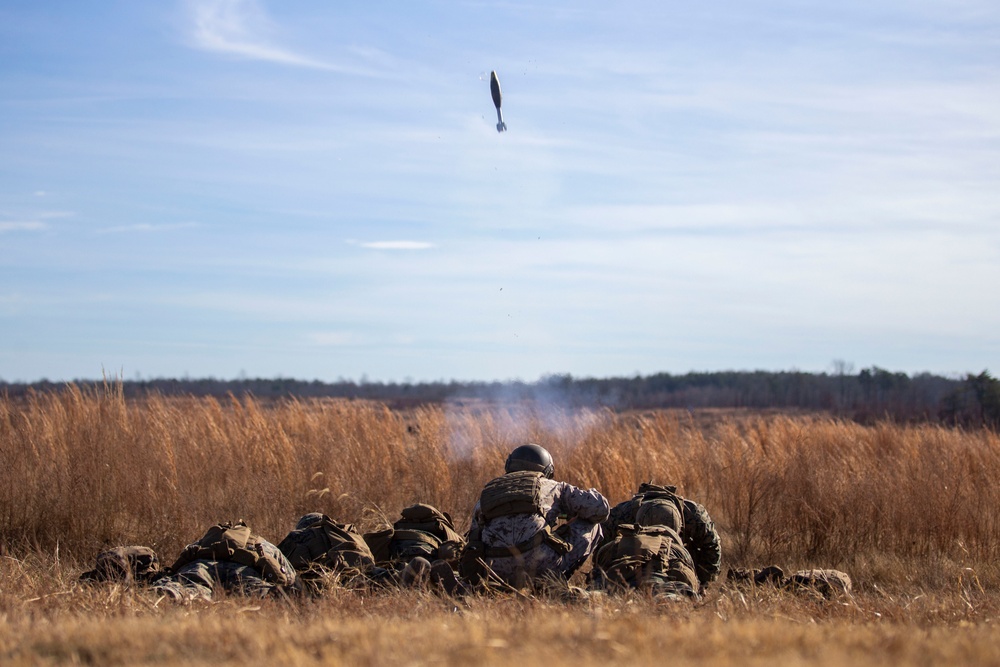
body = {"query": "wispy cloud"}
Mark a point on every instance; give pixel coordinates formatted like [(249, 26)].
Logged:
[(240, 28), (397, 245), (147, 227), (22, 226)]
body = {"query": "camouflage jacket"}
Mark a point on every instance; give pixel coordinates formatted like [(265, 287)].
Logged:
[(558, 500)]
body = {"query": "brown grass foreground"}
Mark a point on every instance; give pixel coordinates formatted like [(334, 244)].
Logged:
[(909, 512)]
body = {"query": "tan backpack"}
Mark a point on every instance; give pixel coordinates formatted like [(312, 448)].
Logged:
[(429, 519), (422, 530), (641, 553), (514, 493), (324, 543), (234, 543)]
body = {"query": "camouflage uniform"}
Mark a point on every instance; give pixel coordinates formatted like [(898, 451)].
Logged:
[(697, 533), (822, 583), (585, 511), (199, 579), (195, 577)]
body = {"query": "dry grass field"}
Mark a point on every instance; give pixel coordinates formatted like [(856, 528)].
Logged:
[(909, 511)]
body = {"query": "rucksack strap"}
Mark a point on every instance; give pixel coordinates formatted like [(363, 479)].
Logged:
[(416, 536)]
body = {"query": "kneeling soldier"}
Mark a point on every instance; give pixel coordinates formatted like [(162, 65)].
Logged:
[(512, 525)]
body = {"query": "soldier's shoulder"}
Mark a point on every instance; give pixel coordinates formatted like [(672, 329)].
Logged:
[(696, 509)]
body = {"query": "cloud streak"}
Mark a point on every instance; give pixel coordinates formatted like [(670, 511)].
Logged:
[(25, 226), (239, 28), (147, 227), (397, 245)]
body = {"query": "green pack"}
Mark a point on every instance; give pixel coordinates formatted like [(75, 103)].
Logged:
[(380, 544), (514, 493), (422, 530), (408, 543), (642, 555), (234, 543), (324, 543), (402, 545), (636, 544), (664, 496), (429, 519)]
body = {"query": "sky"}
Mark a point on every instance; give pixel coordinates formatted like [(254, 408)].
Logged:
[(317, 190)]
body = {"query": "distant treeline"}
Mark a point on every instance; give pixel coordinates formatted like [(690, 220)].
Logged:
[(871, 394)]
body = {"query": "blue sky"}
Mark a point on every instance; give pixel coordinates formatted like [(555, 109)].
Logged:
[(317, 190)]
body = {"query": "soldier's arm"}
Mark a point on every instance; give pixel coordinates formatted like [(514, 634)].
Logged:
[(702, 541), (477, 519), (587, 505)]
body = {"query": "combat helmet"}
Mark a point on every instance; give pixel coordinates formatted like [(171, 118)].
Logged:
[(530, 457)]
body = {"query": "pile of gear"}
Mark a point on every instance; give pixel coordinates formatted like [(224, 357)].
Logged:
[(528, 533)]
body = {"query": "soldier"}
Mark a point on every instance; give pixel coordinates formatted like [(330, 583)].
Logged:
[(697, 531), (128, 564), (421, 535), (227, 557), (512, 525), (323, 551), (421, 531), (648, 555), (821, 583)]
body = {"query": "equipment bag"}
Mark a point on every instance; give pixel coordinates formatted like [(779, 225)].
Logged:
[(514, 493), (327, 544), (429, 519), (234, 543), (638, 553), (654, 494)]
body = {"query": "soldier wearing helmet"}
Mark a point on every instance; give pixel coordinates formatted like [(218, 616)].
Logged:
[(514, 525)]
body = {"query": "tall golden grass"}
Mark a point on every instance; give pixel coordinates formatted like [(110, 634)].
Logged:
[(112, 626), (85, 469), (908, 511)]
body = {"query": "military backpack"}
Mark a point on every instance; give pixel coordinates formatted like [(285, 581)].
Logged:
[(422, 530), (234, 543), (514, 493), (324, 543), (641, 555)]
